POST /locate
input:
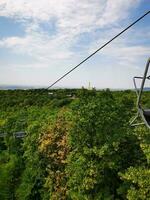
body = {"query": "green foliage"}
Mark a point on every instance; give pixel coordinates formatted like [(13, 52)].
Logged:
[(136, 179), (10, 166), (78, 145), (137, 182), (102, 145)]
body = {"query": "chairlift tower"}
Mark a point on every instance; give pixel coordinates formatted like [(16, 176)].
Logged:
[(144, 113)]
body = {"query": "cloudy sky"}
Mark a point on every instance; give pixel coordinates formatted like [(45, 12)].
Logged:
[(42, 40)]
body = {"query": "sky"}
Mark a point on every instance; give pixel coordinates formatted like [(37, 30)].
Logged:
[(42, 40)]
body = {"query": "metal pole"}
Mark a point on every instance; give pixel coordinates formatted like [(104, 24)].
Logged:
[(143, 82)]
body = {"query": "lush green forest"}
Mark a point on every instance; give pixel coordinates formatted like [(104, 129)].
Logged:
[(75, 145)]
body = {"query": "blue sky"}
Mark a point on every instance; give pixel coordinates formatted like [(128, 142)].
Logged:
[(40, 41)]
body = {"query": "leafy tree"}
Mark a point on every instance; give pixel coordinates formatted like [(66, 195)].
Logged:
[(137, 179), (54, 149), (10, 166), (101, 146)]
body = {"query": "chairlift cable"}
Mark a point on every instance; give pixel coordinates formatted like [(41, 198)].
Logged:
[(100, 48)]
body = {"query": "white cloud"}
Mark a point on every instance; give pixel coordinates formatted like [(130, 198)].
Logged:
[(116, 10), (69, 13), (71, 18)]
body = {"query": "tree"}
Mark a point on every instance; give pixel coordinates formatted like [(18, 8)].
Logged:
[(101, 145), (53, 146)]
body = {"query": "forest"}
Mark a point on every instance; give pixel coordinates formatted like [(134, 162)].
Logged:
[(73, 144)]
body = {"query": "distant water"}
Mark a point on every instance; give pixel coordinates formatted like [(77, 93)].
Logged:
[(15, 87), (146, 89), (21, 87)]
